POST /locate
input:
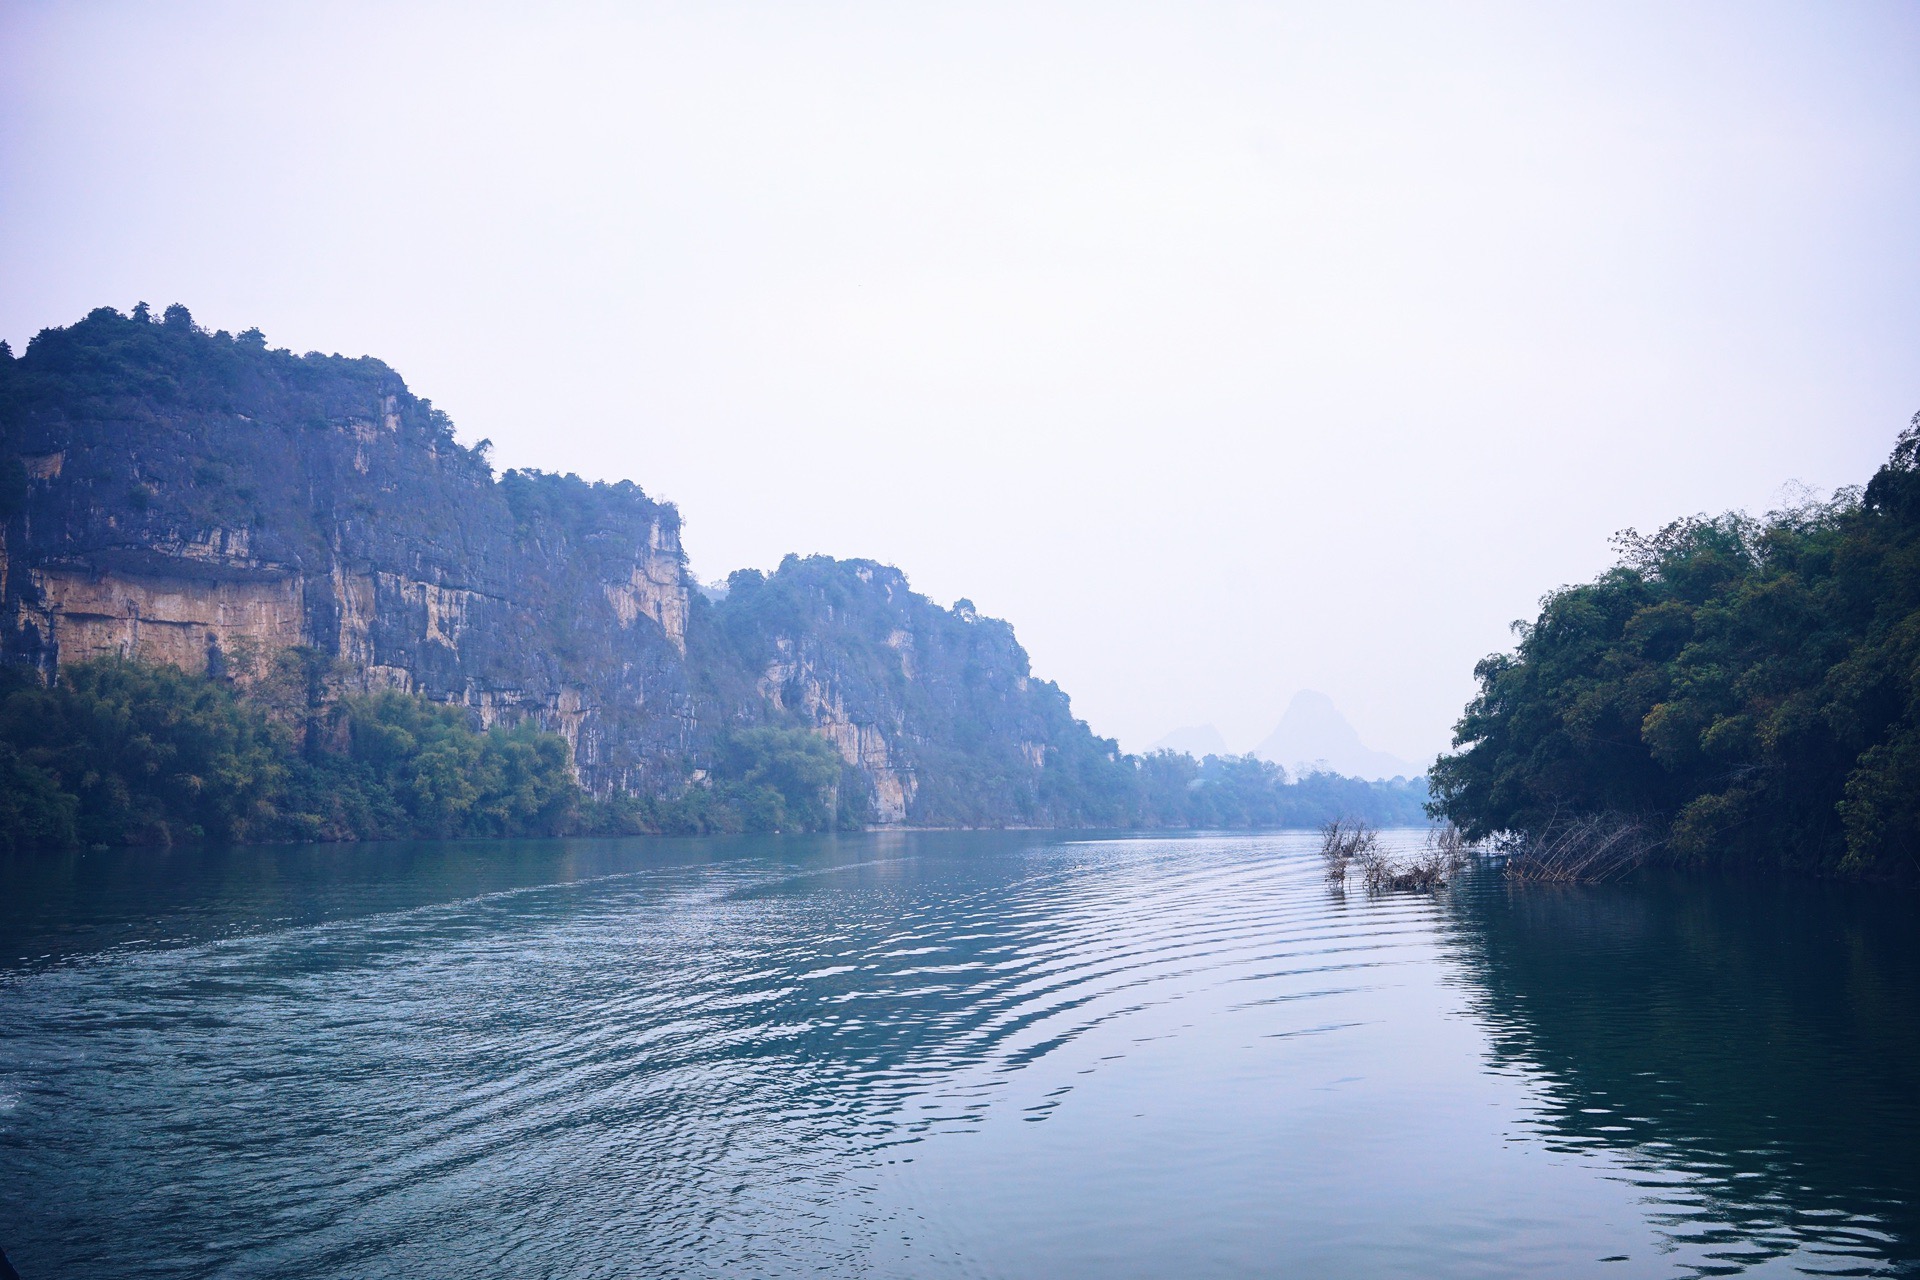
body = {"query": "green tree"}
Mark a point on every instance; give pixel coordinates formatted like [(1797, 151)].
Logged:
[(1747, 689), (150, 754), (35, 812), (781, 779), (120, 752)]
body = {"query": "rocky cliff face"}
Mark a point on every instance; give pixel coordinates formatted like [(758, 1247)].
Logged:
[(201, 500), (937, 706)]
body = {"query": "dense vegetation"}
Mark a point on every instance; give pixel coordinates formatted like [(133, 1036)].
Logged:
[(120, 752), (762, 779), (1175, 790), (124, 753), (1748, 690), (769, 779)]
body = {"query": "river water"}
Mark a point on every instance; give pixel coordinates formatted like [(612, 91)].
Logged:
[(942, 1054)]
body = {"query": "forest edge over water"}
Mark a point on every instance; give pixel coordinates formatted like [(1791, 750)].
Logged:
[(1735, 691)]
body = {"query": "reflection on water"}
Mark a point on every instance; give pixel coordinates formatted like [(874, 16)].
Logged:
[(53, 906), (938, 1054), (1752, 1048)]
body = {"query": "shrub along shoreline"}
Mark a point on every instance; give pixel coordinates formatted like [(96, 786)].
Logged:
[(118, 752)]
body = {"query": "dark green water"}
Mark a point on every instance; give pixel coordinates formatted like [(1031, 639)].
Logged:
[(942, 1054)]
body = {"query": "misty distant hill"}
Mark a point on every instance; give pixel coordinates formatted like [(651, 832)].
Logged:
[(1314, 735)]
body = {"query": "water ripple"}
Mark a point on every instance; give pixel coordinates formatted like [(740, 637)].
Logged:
[(801, 1063)]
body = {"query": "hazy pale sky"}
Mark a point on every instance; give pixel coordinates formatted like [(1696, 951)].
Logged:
[(1225, 349)]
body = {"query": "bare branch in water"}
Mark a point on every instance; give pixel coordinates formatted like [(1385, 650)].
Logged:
[(1343, 841), (1341, 844), (1580, 850)]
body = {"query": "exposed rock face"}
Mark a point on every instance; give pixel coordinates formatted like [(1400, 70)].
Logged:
[(204, 501), (167, 618), (186, 497)]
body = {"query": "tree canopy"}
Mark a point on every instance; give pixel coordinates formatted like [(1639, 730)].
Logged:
[(1748, 688), (121, 752)]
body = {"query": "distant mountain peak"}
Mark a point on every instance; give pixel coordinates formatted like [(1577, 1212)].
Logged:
[(1313, 735)]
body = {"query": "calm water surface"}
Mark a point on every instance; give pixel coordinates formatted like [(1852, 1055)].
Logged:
[(942, 1055)]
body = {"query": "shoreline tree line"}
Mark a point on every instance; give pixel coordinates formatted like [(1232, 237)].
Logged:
[(1735, 691), (120, 752)]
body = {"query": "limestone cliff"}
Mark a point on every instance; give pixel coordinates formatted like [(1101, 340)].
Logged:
[(202, 500), (937, 706)]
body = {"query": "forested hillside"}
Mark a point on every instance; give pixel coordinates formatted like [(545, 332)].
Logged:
[(1746, 690), (248, 594)]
